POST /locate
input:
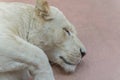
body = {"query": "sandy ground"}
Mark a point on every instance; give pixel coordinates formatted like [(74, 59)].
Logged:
[(98, 26)]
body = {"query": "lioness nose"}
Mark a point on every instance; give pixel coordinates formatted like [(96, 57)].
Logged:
[(83, 53)]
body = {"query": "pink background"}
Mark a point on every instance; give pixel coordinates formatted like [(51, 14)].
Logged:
[(98, 26)]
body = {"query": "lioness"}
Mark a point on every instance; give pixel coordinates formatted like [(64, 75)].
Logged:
[(30, 36)]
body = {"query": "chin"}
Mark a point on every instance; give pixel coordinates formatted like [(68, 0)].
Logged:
[(68, 68)]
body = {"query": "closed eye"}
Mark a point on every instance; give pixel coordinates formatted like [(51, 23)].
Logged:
[(67, 31)]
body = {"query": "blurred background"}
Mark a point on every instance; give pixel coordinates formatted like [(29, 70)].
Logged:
[(98, 26)]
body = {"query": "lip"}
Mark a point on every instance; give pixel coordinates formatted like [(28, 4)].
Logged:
[(67, 62)]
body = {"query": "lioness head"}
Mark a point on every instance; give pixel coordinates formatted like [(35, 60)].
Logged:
[(58, 37)]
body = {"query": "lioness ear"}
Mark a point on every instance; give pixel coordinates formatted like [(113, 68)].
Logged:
[(42, 9)]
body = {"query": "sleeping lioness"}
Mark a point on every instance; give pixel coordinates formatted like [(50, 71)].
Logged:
[(30, 36)]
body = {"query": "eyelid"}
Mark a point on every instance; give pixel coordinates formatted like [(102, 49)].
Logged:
[(67, 31)]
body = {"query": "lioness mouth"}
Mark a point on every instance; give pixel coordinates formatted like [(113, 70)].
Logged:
[(69, 63)]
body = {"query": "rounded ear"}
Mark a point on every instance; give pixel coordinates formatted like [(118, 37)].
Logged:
[(42, 9)]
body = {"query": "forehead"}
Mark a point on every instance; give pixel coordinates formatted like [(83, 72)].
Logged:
[(58, 15), (60, 19)]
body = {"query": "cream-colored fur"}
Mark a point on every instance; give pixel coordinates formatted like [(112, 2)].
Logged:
[(30, 36)]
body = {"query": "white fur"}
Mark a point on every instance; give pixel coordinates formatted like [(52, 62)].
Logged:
[(29, 39)]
